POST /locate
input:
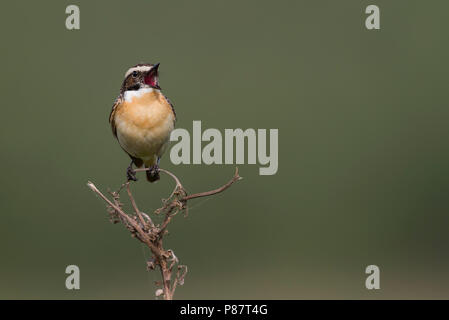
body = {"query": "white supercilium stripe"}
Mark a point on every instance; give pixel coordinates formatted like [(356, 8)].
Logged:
[(141, 68)]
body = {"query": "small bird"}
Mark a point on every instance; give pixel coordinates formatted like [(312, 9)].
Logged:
[(142, 119)]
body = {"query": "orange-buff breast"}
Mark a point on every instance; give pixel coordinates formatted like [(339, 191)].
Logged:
[(144, 123)]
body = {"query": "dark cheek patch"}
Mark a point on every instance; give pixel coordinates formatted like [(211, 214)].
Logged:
[(150, 80)]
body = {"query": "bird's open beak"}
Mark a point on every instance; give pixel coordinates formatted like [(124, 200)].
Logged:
[(153, 72), (155, 67), (151, 77)]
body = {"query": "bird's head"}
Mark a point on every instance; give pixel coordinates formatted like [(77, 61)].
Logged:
[(141, 76)]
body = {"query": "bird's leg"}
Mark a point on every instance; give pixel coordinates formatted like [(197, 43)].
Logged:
[(130, 173), (154, 170)]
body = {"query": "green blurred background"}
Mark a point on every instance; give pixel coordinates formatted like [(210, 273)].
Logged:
[(363, 147)]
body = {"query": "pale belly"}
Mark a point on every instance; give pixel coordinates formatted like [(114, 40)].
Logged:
[(143, 130)]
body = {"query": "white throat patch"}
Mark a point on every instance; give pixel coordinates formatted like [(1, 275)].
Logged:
[(131, 94)]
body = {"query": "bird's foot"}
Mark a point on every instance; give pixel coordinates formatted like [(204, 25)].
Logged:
[(153, 173), (154, 169), (131, 174)]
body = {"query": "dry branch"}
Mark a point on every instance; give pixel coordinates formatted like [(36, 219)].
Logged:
[(143, 228)]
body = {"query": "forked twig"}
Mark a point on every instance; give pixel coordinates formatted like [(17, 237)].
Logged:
[(143, 228)]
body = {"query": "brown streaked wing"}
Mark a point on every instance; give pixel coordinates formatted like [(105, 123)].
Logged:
[(171, 105), (117, 102)]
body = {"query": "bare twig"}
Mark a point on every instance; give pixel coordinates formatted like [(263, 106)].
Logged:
[(136, 209), (235, 178), (143, 228)]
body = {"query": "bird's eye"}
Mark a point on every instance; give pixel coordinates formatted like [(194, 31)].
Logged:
[(134, 74)]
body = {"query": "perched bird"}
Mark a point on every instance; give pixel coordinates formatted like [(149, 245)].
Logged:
[(142, 119)]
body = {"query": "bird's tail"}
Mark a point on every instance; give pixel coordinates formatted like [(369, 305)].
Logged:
[(152, 175)]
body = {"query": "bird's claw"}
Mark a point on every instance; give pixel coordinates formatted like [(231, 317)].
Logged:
[(131, 174), (154, 169)]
